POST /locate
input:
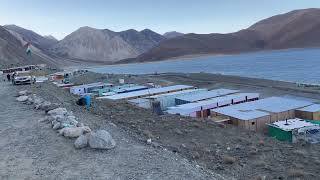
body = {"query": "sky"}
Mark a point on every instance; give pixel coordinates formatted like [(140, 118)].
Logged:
[(61, 17)]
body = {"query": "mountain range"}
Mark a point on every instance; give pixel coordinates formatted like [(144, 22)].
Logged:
[(296, 29)]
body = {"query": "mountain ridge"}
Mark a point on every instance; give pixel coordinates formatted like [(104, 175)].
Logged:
[(295, 29)]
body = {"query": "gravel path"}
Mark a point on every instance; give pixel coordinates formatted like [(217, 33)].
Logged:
[(32, 150)]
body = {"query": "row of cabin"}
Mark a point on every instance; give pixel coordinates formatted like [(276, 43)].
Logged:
[(88, 88), (203, 108), (257, 114), (169, 100), (147, 92), (21, 68)]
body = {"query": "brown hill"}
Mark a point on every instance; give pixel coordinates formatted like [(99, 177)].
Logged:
[(12, 53), (296, 29)]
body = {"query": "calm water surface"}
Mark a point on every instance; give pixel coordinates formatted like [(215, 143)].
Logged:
[(299, 65)]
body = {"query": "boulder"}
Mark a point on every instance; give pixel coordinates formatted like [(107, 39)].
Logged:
[(37, 100), (73, 132), (23, 93), (101, 140), (52, 106), (22, 98), (72, 120), (81, 142), (58, 111), (43, 105)]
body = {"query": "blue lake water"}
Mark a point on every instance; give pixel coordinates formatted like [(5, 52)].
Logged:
[(295, 65)]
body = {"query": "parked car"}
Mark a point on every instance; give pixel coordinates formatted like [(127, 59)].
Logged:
[(22, 80)]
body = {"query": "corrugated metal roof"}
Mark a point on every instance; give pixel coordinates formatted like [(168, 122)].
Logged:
[(92, 85), (272, 104), (247, 115), (176, 93), (312, 108), (147, 92), (207, 95), (196, 106), (132, 88), (292, 124)]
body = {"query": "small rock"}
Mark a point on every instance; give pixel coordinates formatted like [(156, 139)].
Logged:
[(22, 98), (228, 159), (80, 124), (178, 131), (196, 155), (149, 141), (81, 142), (56, 126), (23, 93), (101, 140)]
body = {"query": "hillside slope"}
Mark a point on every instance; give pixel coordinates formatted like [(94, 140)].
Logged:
[(12, 53), (29, 36), (296, 29)]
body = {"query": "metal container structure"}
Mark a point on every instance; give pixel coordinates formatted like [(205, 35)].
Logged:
[(88, 88), (310, 112), (204, 96), (202, 108), (147, 92), (282, 130), (168, 100), (256, 114)]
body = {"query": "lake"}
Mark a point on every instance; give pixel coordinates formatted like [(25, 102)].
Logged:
[(295, 65)]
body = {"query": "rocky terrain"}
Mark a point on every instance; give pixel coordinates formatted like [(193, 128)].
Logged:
[(31, 149), (104, 45), (296, 29), (13, 53), (35, 39)]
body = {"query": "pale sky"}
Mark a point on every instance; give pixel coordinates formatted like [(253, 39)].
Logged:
[(61, 17)]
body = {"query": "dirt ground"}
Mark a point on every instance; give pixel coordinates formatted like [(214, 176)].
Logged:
[(222, 149), (216, 149), (32, 150)]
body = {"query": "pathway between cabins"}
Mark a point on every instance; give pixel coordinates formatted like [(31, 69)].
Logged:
[(32, 150)]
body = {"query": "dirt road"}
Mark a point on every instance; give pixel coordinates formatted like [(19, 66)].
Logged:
[(31, 150)]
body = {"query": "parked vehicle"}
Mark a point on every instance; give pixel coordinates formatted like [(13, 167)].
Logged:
[(23, 78)]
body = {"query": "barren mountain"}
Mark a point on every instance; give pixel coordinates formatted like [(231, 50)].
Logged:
[(296, 29), (50, 37), (29, 36), (141, 41), (94, 44), (12, 53), (172, 34), (300, 28), (104, 45)]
